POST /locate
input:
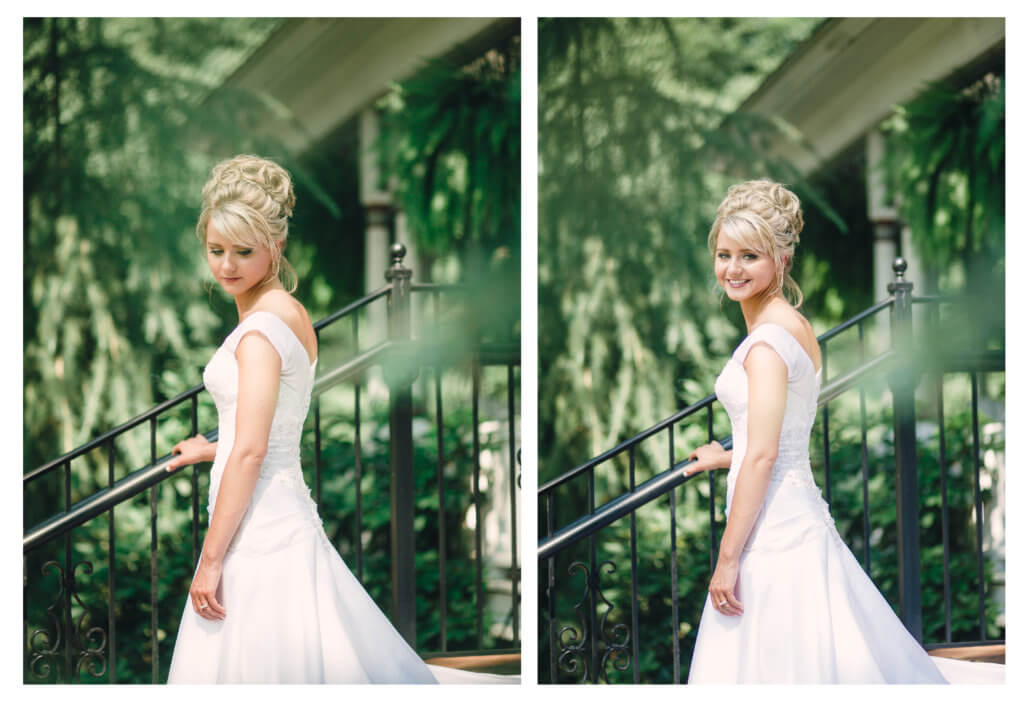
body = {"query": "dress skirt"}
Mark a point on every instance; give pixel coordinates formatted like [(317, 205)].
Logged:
[(810, 613), (295, 612)]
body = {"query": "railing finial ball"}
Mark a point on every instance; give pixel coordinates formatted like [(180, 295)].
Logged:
[(397, 253), (899, 266)]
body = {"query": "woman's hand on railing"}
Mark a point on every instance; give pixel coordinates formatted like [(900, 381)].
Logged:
[(710, 456), (190, 451)]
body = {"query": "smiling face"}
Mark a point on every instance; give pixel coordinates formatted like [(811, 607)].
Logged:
[(742, 272), (236, 266)]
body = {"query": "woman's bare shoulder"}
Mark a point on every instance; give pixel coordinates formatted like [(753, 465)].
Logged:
[(291, 312), (799, 328)]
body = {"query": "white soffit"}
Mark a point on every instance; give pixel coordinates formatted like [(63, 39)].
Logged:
[(325, 70), (853, 71)]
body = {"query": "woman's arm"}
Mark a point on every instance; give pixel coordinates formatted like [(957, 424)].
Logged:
[(766, 381), (259, 375)]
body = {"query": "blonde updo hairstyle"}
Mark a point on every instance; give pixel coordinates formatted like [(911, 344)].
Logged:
[(248, 200), (765, 217)]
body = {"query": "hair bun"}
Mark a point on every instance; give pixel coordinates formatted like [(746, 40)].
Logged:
[(766, 215), (249, 198)]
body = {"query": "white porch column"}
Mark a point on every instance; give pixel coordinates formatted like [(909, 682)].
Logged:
[(886, 225), (379, 216)]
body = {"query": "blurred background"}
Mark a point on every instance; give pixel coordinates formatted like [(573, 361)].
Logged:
[(891, 132), (395, 131)]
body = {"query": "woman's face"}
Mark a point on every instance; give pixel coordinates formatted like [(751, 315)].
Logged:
[(742, 272), (237, 267)]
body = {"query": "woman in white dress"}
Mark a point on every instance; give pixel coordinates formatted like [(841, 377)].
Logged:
[(788, 601), (271, 600)]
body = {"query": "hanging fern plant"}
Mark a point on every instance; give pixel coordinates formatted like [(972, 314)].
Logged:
[(450, 142), (947, 160)]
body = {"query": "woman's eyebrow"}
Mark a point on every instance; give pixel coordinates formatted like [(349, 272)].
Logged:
[(211, 244)]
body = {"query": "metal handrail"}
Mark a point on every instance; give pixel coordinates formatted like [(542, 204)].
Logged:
[(661, 484), (145, 477), (664, 482), (704, 403), (856, 319), (112, 433), (626, 445), (348, 309), (187, 394)]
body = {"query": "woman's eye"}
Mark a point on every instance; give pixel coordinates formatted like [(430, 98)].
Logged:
[(750, 256), (216, 251), (245, 252)]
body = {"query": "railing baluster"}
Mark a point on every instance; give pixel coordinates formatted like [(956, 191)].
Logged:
[(195, 488), (359, 461), (317, 454), (824, 418), (68, 577), (477, 510), (152, 558), (512, 498), (945, 508), (711, 497), (978, 512), (865, 472), (442, 545), (675, 564), (111, 549), (552, 613), (633, 573), (592, 585)]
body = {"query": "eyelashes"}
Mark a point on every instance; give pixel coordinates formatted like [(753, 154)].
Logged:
[(244, 252)]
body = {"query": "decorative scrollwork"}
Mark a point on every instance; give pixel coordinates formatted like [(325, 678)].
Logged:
[(572, 657), (574, 641), (90, 656), (42, 664), (617, 644), (87, 643)]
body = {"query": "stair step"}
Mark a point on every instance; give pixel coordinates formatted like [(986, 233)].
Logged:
[(501, 663), (974, 653)]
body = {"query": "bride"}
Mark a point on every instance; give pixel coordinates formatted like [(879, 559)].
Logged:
[(271, 599), (788, 601)]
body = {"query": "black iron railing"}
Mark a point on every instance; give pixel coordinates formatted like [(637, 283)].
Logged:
[(598, 639), (74, 644)]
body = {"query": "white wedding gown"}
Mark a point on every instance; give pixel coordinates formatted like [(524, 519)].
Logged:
[(295, 613), (810, 613)]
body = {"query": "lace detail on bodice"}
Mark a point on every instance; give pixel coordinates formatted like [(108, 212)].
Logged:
[(293, 398), (792, 466)]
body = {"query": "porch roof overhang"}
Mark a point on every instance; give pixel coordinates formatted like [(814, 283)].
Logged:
[(321, 72), (852, 71)]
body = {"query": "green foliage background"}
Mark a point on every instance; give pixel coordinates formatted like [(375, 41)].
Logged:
[(123, 119), (639, 139)]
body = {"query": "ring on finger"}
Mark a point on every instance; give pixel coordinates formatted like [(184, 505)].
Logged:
[(203, 605)]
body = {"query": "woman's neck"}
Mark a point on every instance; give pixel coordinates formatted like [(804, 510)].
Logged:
[(754, 309), (246, 301)]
